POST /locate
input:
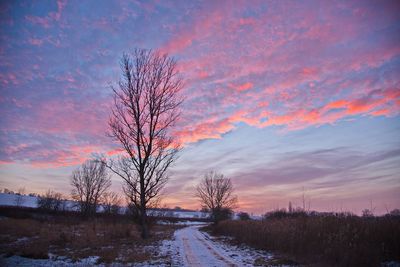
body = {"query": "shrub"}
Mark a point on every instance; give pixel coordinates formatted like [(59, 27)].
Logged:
[(243, 216)]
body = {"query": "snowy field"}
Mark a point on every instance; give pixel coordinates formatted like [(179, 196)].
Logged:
[(31, 202), (189, 247), (18, 200)]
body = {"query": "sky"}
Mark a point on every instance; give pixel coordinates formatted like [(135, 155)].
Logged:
[(286, 98)]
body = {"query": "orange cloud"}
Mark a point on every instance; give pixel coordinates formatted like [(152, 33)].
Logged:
[(244, 87)]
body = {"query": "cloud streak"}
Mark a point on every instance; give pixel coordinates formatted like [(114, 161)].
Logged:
[(291, 67)]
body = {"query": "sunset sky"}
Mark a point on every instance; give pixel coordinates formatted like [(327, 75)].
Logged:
[(283, 97)]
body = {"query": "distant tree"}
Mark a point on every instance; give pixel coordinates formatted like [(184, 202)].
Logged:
[(50, 201), (204, 209), (19, 199), (278, 213), (367, 213), (146, 107), (395, 212), (215, 193), (243, 216), (131, 210), (89, 183), (290, 208), (111, 203), (162, 211)]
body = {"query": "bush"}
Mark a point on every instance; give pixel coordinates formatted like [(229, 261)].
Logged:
[(218, 215), (243, 216)]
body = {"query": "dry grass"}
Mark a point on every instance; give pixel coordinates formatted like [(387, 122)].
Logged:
[(76, 239), (326, 240)]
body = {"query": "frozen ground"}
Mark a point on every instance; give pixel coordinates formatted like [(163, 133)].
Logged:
[(181, 223), (24, 201), (192, 247), (189, 247), (53, 261), (31, 202)]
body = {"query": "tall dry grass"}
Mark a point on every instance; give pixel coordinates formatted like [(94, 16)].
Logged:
[(77, 239), (334, 240)]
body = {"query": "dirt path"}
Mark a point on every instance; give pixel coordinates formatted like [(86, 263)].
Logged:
[(192, 247), (197, 250)]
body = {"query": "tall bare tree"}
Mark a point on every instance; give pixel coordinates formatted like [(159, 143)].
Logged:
[(146, 107), (215, 193), (89, 182)]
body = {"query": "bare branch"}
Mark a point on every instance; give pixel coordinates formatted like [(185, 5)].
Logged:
[(216, 194), (89, 182), (146, 107)]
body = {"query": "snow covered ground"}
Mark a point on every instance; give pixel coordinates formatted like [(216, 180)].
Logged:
[(53, 261), (31, 202), (192, 247), (189, 247), (18, 200), (181, 223)]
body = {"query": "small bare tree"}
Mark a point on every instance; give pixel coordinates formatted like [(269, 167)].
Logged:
[(19, 199), (111, 203), (216, 194), (90, 181), (50, 201), (146, 106)]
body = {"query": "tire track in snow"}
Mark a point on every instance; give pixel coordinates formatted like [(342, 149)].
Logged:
[(200, 252), (212, 249), (189, 255)]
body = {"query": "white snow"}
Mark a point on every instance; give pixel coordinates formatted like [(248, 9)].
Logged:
[(191, 247), (24, 201), (31, 202), (181, 223), (53, 261)]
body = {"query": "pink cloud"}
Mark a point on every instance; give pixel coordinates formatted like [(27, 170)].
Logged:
[(291, 69), (243, 87), (72, 156), (34, 41), (381, 103), (46, 22)]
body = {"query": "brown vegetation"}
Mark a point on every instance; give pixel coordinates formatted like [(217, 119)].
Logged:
[(331, 240), (111, 240)]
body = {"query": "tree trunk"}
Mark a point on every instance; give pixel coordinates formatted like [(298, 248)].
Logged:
[(143, 219), (143, 213), (143, 222)]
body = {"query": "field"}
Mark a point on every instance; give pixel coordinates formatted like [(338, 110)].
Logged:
[(30, 236), (72, 239), (332, 240)]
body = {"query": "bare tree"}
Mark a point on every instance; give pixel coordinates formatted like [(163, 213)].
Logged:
[(216, 194), (19, 199), (146, 107), (111, 202), (90, 181), (50, 201)]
